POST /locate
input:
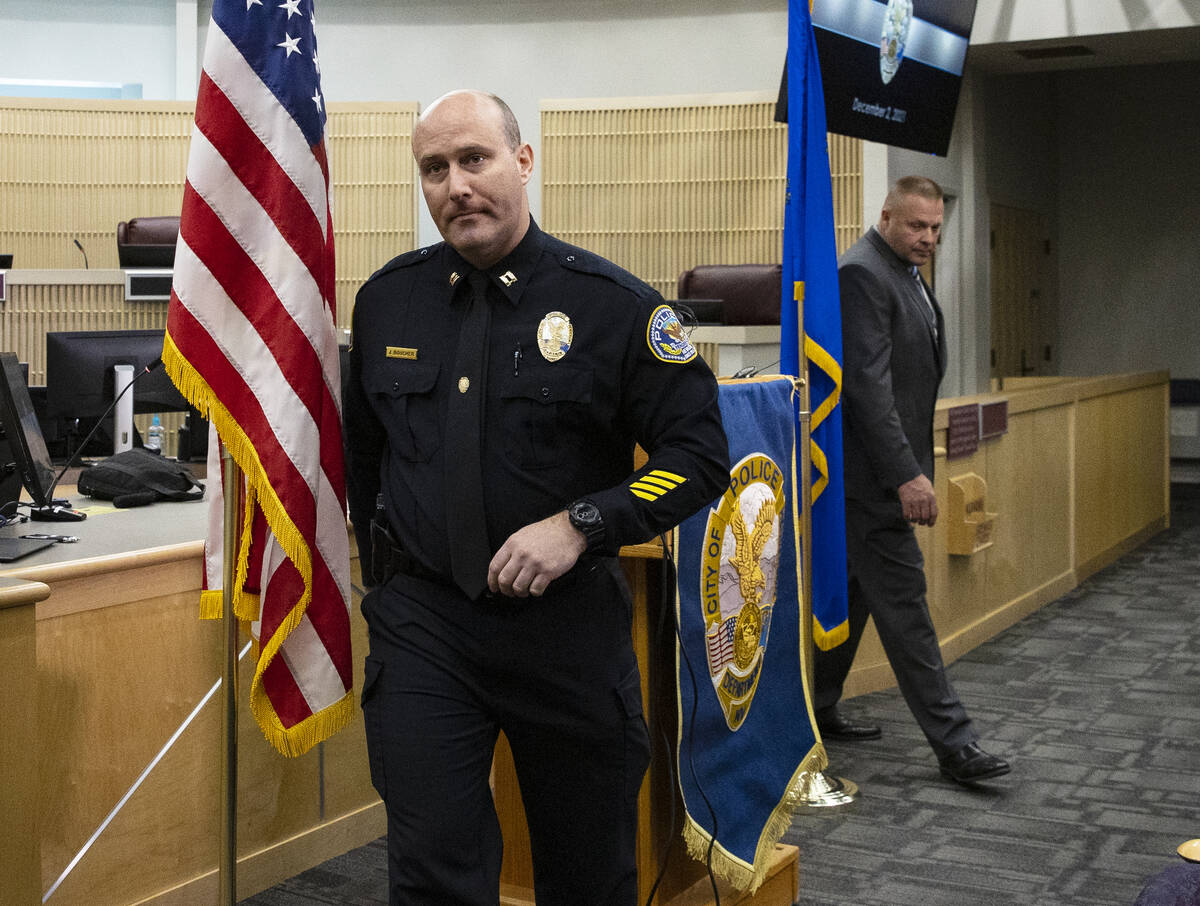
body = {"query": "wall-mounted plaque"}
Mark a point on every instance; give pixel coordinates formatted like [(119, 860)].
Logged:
[(962, 436), (993, 419)]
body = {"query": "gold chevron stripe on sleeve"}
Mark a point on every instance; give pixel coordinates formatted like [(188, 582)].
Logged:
[(670, 476), (653, 485), (647, 489), (658, 482)]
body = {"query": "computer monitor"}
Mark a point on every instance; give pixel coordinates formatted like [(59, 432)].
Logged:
[(23, 433), (80, 385), (79, 372)]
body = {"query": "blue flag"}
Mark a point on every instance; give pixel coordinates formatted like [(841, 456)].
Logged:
[(810, 279), (745, 753)]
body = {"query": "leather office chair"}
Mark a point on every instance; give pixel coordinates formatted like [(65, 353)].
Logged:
[(147, 242), (749, 293)]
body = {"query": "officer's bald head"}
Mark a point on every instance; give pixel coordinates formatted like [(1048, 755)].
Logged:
[(508, 120)]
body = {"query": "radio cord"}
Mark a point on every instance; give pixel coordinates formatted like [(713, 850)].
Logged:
[(669, 581)]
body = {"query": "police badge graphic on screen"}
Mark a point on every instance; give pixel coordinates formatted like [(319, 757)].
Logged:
[(739, 577), (891, 69), (896, 21)]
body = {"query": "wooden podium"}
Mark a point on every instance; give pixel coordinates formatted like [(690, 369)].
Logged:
[(660, 809), (20, 847)]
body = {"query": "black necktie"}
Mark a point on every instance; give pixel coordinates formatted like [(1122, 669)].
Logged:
[(466, 524), (928, 302)]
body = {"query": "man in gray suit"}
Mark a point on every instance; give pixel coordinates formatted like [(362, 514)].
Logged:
[(894, 356)]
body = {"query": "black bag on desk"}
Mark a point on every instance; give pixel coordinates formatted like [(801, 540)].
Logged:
[(136, 477)]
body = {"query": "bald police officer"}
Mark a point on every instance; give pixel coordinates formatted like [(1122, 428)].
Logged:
[(578, 362)]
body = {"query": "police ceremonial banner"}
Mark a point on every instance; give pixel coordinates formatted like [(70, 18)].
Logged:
[(747, 748)]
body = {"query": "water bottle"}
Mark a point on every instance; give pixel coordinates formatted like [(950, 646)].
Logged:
[(154, 439)]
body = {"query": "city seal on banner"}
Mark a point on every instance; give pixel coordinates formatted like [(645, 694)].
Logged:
[(739, 577)]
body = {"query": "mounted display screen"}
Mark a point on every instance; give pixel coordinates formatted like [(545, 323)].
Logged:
[(891, 71)]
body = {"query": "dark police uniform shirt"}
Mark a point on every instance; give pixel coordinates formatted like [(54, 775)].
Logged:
[(554, 430)]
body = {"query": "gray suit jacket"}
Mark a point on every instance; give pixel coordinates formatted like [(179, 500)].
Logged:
[(893, 362)]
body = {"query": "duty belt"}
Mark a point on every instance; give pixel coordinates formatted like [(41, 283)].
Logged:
[(388, 559)]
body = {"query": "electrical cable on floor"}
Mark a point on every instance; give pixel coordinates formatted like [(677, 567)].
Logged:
[(137, 783)]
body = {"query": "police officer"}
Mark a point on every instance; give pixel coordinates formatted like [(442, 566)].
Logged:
[(491, 487)]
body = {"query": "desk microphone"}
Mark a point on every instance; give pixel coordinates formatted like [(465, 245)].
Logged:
[(752, 370), (80, 247), (60, 510)]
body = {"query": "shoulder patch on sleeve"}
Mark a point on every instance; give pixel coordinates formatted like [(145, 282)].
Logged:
[(666, 337)]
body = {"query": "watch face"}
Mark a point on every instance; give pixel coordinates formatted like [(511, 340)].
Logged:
[(585, 513), (586, 518)]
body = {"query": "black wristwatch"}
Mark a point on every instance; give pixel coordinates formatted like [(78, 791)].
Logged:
[(585, 516)]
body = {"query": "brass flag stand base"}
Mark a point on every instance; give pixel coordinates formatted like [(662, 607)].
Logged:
[(828, 791)]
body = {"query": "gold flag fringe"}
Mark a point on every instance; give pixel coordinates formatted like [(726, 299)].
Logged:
[(212, 604), (736, 871), (296, 740), (827, 639), (243, 608)]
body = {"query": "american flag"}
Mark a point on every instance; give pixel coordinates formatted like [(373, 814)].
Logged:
[(251, 342), (720, 646)]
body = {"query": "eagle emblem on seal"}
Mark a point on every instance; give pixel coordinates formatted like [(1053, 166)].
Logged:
[(746, 559), (739, 578)]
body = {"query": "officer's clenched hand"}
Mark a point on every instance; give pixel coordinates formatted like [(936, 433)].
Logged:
[(535, 556)]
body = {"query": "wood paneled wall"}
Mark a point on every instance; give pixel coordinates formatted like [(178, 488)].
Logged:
[(660, 185), (1080, 477), (35, 309), (73, 169), (374, 191), (121, 663)]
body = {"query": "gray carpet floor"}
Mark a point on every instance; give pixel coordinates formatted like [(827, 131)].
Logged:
[(1095, 700)]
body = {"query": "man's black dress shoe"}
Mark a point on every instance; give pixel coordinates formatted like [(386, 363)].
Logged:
[(833, 725), (971, 764)]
